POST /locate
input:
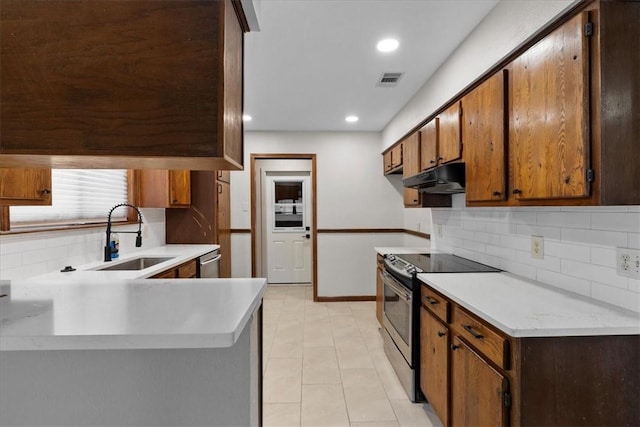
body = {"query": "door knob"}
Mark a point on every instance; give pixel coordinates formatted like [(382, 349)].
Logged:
[(306, 236)]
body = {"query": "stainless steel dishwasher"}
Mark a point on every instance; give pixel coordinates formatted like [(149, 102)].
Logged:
[(210, 264)]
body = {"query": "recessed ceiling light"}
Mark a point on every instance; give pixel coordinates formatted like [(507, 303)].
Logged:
[(351, 119), (246, 118), (388, 45)]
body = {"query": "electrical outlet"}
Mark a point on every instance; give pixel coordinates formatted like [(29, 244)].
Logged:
[(537, 247), (628, 262)]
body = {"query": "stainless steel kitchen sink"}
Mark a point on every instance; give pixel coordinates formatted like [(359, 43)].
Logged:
[(135, 263)]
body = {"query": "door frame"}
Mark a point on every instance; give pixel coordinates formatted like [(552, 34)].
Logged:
[(314, 211)]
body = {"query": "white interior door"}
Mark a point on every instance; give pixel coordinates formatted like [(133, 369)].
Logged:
[(288, 225)]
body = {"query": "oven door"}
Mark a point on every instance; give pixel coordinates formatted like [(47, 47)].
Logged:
[(397, 320)]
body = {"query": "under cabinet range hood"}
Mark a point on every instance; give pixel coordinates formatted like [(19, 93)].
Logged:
[(445, 179)]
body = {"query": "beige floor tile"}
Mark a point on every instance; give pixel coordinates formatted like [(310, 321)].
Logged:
[(376, 424), (369, 306), (288, 342), (320, 366), (283, 380), (365, 397), (318, 335), (344, 327), (387, 376), (281, 415), (323, 405), (339, 308), (352, 353), (413, 414)]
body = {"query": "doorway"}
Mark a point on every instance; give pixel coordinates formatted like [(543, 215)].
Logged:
[(283, 218)]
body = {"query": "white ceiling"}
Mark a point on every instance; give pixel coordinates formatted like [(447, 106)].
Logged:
[(315, 61)]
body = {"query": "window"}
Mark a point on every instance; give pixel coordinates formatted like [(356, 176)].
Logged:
[(79, 196)]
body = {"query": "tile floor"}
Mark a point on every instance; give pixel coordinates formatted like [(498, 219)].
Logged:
[(324, 365)]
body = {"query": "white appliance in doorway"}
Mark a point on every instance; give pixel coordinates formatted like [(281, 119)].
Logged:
[(288, 227)]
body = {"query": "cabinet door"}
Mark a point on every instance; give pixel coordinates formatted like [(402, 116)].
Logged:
[(484, 134), (549, 118), (223, 216), (179, 188), (164, 188), (434, 363), (20, 186), (223, 176), (396, 156), (477, 390), (386, 159), (411, 166), (450, 141), (429, 144)]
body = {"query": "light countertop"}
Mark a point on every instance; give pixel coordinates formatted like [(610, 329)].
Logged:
[(180, 254), (127, 314), (524, 308)]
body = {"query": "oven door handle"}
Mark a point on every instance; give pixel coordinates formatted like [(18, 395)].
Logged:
[(398, 289)]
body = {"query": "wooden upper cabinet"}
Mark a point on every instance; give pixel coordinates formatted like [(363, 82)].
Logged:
[(484, 127), (450, 136), (549, 117), (411, 166), (122, 84), (393, 159), (429, 144), (164, 188), (224, 176), (21, 186)]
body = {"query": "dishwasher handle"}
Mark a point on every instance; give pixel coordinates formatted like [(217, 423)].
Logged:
[(214, 259)]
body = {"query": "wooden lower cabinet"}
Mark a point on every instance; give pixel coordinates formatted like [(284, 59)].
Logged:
[(473, 374), (434, 363), (479, 393), (379, 287), (185, 270)]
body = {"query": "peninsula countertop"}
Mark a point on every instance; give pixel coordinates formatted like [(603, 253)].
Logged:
[(525, 308), (87, 314)]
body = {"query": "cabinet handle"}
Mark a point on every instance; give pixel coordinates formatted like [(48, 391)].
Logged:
[(496, 193), (219, 188), (454, 347), (440, 158), (441, 334), (517, 191), (432, 161), (45, 191), (431, 300), (473, 332)]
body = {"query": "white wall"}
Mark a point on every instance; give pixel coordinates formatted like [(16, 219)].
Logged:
[(31, 254), (579, 242), (352, 192)]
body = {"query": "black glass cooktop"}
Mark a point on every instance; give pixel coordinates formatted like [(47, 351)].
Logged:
[(445, 263)]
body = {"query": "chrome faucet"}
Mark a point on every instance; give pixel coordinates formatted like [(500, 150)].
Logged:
[(107, 248)]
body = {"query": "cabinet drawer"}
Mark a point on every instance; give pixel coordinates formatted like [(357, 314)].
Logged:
[(436, 303), (187, 270), (169, 274), (494, 346)]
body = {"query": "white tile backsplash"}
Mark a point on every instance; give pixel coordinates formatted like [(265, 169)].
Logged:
[(579, 244), (31, 254)]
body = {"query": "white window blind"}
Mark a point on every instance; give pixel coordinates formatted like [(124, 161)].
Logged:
[(78, 195)]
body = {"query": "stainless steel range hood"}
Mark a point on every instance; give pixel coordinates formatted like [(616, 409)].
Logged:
[(445, 179)]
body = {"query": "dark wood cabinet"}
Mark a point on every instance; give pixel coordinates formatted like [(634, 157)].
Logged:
[(22, 186), (484, 131), (207, 220), (410, 167), (122, 84), (549, 115), (163, 188)]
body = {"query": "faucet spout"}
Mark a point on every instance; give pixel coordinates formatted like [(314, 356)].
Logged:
[(107, 248)]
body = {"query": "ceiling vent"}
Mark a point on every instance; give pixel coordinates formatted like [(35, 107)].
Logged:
[(389, 79)]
